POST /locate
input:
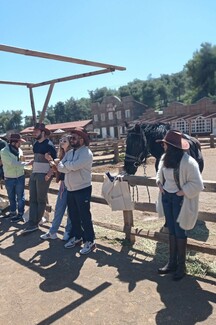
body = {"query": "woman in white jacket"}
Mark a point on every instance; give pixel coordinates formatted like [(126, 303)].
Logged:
[(180, 183)]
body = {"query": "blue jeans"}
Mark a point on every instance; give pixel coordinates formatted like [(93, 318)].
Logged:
[(60, 207), (16, 195), (80, 215), (172, 206)]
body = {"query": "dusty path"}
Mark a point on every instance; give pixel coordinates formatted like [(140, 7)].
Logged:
[(43, 283)]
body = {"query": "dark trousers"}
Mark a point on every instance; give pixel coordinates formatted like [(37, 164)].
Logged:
[(79, 212), (38, 189), (172, 206)]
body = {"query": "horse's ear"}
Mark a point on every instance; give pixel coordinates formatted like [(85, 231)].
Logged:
[(137, 128)]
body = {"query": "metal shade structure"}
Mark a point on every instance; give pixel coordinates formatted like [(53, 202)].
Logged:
[(105, 68)]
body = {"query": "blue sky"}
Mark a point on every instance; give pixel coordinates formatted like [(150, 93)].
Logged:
[(146, 36)]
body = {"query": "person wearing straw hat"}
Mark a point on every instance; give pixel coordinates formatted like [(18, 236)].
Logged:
[(180, 183), (76, 165), (40, 178), (13, 167)]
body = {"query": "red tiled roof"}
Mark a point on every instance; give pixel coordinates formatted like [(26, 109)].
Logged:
[(63, 126)]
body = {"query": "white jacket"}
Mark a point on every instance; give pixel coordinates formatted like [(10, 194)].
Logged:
[(191, 184)]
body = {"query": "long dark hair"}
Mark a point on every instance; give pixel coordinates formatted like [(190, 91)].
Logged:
[(172, 156)]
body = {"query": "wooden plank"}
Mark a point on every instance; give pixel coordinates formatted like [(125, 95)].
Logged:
[(15, 83), (34, 117), (192, 244), (78, 76), (57, 57), (46, 102)]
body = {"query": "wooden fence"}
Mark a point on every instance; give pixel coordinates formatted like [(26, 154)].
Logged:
[(128, 222)]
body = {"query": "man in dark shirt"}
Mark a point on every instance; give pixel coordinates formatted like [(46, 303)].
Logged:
[(40, 178)]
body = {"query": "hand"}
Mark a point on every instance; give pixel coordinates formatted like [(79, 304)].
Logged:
[(180, 193), (28, 163), (48, 156), (160, 187), (47, 177)]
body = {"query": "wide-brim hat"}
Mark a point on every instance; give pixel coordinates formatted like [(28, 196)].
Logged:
[(82, 133), (16, 137), (42, 127), (175, 139)]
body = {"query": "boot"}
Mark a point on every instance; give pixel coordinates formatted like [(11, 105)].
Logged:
[(181, 268), (172, 263)]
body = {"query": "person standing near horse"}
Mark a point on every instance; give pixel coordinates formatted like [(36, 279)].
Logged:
[(180, 183), (61, 203), (13, 167), (76, 165), (40, 178)]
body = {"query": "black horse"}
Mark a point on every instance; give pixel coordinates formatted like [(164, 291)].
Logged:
[(141, 142)]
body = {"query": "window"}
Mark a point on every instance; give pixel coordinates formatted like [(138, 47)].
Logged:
[(103, 117), (181, 125), (201, 125), (96, 118), (127, 113), (118, 115), (110, 115)]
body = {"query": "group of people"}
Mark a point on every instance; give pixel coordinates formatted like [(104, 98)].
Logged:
[(72, 170), (178, 178)]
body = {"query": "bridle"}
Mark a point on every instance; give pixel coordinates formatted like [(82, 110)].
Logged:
[(140, 159)]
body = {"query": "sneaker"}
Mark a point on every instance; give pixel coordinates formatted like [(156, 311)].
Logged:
[(17, 218), (48, 235), (43, 220), (87, 248), (10, 215), (66, 236), (29, 229), (73, 242)]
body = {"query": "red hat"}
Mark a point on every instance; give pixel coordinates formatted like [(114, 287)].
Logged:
[(16, 137), (82, 133), (42, 127), (174, 138)]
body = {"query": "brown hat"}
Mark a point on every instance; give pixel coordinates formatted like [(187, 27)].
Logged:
[(174, 138), (82, 133), (41, 127), (16, 137)]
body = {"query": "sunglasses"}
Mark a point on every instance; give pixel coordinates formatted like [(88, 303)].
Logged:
[(74, 138)]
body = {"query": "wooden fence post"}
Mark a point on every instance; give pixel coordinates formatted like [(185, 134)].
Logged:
[(128, 224), (212, 145), (116, 152)]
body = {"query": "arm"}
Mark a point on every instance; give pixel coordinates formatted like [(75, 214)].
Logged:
[(194, 183)]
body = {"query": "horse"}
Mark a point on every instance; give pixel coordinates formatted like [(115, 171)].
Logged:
[(141, 143)]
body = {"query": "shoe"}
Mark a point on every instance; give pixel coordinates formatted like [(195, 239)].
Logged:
[(43, 220), (66, 236), (88, 247), (29, 229), (10, 215), (17, 218), (48, 235), (73, 242)]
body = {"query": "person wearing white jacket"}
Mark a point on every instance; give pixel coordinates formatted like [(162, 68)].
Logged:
[(76, 165), (180, 183)]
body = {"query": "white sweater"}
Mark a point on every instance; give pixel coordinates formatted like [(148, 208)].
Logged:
[(191, 184)]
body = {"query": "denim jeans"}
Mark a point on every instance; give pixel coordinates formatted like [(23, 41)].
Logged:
[(80, 215), (60, 207), (38, 189), (16, 195), (172, 206)]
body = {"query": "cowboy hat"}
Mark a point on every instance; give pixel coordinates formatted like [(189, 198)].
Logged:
[(82, 133), (42, 127), (175, 139), (16, 137)]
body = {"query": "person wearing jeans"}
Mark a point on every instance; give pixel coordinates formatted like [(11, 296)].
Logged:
[(13, 167), (61, 203), (180, 182), (76, 165)]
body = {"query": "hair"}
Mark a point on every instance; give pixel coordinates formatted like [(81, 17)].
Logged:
[(61, 151), (172, 156)]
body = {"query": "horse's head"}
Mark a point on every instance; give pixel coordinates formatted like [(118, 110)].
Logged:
[(136, 150)]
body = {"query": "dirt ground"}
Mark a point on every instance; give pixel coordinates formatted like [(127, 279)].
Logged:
[(44, 283)]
